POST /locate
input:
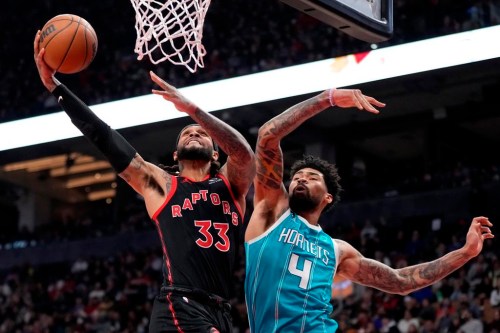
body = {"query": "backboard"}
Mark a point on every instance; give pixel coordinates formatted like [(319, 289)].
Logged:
[(367, 20)]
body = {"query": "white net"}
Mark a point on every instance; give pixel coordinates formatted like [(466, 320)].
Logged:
[(171, 30)]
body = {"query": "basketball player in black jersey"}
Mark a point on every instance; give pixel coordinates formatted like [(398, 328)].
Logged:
[(197, 211)]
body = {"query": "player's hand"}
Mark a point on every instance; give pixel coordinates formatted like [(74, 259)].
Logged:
[(46, 73), (347, 98), (479, 230), (171, 94)]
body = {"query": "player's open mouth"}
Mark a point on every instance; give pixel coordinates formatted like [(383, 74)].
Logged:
[(300, 188)]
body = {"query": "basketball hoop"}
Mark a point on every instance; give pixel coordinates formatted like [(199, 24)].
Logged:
[(171, 30)]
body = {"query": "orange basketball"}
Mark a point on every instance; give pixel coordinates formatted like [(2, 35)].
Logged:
[(70, 43)]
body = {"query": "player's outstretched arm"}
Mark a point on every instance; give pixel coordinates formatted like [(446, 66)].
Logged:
[(403, 281), (268, 151), (122, 156), (108, 141), (270, 199), (285, 123), (240, 166)]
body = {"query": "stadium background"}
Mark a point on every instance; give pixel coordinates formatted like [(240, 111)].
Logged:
[(413, 177)]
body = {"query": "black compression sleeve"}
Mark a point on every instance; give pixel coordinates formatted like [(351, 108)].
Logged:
[(118, 151)]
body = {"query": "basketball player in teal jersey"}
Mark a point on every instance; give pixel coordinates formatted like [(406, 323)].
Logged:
[(290, 261)]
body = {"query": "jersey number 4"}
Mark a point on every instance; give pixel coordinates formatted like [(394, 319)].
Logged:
[(207, 240), (304, 273)]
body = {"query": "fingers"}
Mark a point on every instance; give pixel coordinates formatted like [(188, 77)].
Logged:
[(165, 94), (368, 107), (159, 81), (158, 92), (486, 230), (39, 59), (38, 54), (36, 45), (373, 101), (483, 225), (483, 221), (153, 75), (359, 100), (363, 102), (156, 79)]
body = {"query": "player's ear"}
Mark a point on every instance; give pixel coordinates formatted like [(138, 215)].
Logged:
[(175, 155), (215, 155), (329, 198)]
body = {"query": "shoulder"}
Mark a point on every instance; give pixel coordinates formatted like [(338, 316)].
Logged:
[(344, 248), (219, 180), (340, 242), (262, 219)]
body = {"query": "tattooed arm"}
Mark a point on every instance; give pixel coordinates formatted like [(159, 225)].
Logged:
[(271, 198), (403, 281), (144, 177), (150, 181), (280, 126), (240, 166)]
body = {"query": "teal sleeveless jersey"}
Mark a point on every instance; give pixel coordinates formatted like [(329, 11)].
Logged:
[(289, 275)]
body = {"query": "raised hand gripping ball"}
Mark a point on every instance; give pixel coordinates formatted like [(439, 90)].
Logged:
[(70, 43)]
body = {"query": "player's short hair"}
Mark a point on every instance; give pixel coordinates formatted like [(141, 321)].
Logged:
[(330, 175)]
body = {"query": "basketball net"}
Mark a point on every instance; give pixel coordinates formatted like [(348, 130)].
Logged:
[(171, 30)]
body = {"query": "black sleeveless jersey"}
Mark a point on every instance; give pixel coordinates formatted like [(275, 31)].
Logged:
[(199, 228)]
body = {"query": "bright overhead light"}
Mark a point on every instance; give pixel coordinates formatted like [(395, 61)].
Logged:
[(104, 194), (45, 163), (79, 168), (41, 162), (96, 178), (350, 70)]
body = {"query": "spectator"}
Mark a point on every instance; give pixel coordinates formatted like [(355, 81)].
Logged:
[(408, 322), (470, 324), (495, 297)]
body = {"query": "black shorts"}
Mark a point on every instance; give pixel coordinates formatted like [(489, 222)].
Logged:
[(183, 310)]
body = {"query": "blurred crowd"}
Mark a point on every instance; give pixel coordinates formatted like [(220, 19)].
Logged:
[(241, 37), (115, 294)]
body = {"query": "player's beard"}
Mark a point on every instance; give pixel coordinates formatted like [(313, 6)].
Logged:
[(302, 202), (194, 154)]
